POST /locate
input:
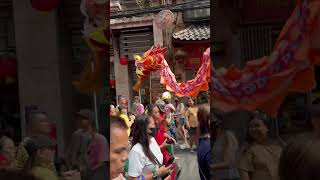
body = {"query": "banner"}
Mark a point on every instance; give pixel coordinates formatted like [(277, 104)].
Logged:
[(264, 82), (153, 60)]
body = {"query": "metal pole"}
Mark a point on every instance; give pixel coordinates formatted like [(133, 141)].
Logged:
[(150, 94), (95, 102)]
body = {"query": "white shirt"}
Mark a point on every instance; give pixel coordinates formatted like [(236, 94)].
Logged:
[(139, 163)]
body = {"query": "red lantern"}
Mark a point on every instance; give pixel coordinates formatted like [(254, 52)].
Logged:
[(45, 5), (124, 61), (112, 83), (8, 67)]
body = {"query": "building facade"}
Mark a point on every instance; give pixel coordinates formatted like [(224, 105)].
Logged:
[(136, 33), (50, 53)]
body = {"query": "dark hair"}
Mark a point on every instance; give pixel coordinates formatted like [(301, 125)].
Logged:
[(117, 122), (161, 108), (218, 122), (261, 116), (120, 97), (32, 116), (300, 159), (194, 102), (167, 101), (150, 108), (204, 118), (141, 136), (14, 175)]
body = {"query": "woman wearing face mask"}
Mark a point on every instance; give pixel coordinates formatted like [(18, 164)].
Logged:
[(259, 161), (145, 157), (160, 134)]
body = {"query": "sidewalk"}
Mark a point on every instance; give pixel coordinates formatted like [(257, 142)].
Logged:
[(189, 164)]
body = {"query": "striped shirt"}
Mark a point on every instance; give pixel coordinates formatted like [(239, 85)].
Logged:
[(23, 157)]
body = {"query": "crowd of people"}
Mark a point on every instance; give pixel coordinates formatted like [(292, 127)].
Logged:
[(143, 141), (263, 157), (85, 158)]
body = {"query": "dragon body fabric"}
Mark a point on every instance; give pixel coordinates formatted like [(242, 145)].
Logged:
[(153, 60), (264, 83)]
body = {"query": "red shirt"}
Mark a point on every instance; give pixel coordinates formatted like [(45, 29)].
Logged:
[(159, 137), (4, 162)]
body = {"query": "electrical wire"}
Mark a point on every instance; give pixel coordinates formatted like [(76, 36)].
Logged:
[(191, 5)]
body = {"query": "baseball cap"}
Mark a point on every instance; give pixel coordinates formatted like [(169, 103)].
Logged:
[(161, 107), (166, 96), (86, 113)]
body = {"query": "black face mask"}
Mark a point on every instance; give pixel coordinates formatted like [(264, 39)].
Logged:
[(154, 131)]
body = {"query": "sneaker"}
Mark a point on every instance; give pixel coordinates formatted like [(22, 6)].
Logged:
[(187, 145), (192, 151), (182, 146)]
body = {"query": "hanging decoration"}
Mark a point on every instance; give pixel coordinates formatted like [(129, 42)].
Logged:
[(264, 83), (153, 60), (95, 33), (45, 5), (164, 19), (112, 83), (124, 61), (8, 69)]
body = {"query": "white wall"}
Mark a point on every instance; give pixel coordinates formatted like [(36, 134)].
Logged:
[(43, 67)]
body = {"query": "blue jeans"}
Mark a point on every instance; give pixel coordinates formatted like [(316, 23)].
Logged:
[(204, 158), (173, 131)]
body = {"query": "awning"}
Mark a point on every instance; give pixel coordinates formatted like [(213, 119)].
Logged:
[(193, 33)]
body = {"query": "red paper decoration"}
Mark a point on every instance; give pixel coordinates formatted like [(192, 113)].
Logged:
[(112, 83), (124, 61), (8, 67), (45, 5)]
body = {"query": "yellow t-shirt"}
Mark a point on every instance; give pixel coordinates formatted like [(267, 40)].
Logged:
[(43, 173), (127, 121), (192, 116)]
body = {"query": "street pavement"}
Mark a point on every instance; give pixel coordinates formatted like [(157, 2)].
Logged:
[(189, 164)]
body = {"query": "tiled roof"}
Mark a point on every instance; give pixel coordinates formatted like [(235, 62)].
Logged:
[(194, 32)]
